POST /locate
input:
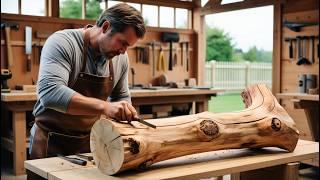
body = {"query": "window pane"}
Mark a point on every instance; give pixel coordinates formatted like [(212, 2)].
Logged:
[(93, 9), (9, 6), (112, 3), (33, 7), (166, 17), (70, 8), (150, 15), (135, 5), (181, 18)]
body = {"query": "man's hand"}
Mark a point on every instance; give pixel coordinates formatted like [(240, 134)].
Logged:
[(120, 111)]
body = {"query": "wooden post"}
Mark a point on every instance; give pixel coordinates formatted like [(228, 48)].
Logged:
[(119, 146)]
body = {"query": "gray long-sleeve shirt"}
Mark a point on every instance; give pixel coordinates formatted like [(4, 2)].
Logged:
[(61, 61)]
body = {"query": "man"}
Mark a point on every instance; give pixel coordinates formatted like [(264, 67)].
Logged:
[(83, 75)]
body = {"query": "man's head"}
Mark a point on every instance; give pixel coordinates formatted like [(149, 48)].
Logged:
[(121, 26)]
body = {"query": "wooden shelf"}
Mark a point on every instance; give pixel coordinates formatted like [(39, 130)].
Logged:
[(298, 96)]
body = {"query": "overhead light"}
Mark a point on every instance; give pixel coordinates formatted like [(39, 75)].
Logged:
[(230, 1)]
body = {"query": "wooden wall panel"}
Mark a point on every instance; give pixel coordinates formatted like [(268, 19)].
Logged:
[(47, 24), (298, 11)]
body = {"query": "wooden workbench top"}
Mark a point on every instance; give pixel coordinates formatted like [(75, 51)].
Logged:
[(32, 96), (298, 96), (207, 164)]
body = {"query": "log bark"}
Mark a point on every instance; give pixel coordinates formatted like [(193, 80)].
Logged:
[(264, 123)]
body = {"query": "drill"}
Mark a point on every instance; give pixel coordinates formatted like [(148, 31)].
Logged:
[(5, 75)]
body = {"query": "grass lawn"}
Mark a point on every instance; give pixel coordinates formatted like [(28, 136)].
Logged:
[(226, 103)]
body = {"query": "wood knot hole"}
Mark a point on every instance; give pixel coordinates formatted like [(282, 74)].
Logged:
[(134, 146), (276, 124), (209, 127)]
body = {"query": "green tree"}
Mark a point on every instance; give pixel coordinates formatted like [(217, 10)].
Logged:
[(251, 55), (70, 9), (219, 45), (93, 9), (258, 55), (73, 9)]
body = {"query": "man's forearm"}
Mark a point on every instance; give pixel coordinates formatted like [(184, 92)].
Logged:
[(82, 105)]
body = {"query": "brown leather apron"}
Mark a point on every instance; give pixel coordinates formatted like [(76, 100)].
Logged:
[(60, 133)]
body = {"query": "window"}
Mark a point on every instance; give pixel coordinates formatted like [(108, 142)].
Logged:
[(181, 18), (135, 5), (93, 9), (112, 3), (166, 17), (9, 6), (28, 7), (150, 15), (70, 8), (33, 7)]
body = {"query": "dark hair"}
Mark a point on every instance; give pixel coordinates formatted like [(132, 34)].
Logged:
[(122, 16)]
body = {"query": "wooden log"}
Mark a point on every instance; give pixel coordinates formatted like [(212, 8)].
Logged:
[(264, 123)]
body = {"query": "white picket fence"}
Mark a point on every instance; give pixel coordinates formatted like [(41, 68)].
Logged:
[(237, 75)]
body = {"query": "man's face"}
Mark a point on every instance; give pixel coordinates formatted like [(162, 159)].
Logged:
[(113, 44)]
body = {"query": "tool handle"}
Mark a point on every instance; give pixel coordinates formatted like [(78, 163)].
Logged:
[(74, 160), (290, 50), (9, 48), (78, 161), (299, 47), (170, 57), (29, 63)]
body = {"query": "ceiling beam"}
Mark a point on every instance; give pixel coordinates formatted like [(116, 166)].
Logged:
[(218, 8), (169, 3)]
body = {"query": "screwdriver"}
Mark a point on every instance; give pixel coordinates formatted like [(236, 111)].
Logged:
[(74, 160)]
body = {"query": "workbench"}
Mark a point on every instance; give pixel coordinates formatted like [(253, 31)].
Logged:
[(265, 163), (310, 104), (19, 102)]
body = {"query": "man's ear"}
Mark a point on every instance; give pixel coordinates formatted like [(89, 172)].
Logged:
[(105, 26)]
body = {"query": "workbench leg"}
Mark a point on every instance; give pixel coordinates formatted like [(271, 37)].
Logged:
[(201, 106), (288, 171), (19, 141), (313, 122), (291, 171), (235, 176)]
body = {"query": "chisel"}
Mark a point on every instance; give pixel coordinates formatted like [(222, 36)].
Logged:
[(145, 122), (74, 160)]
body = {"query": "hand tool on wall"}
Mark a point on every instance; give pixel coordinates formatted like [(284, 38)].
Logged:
[(5, 75), (312, 48), (153, 44), (28, 46), (181, 46), (132, 76), (7, 27), (74, 160), (175, 57), (170, 37), (161, 64), (187, 60), (290, 40), (301, 58), (296, 26)]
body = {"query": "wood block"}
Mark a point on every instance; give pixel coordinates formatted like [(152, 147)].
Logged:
[(161, 114)]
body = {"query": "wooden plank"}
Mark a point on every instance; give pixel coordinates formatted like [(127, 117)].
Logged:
[(19, 141), (214, 7), (43, 166), (215, 163), (277, 49), (298, 96)]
